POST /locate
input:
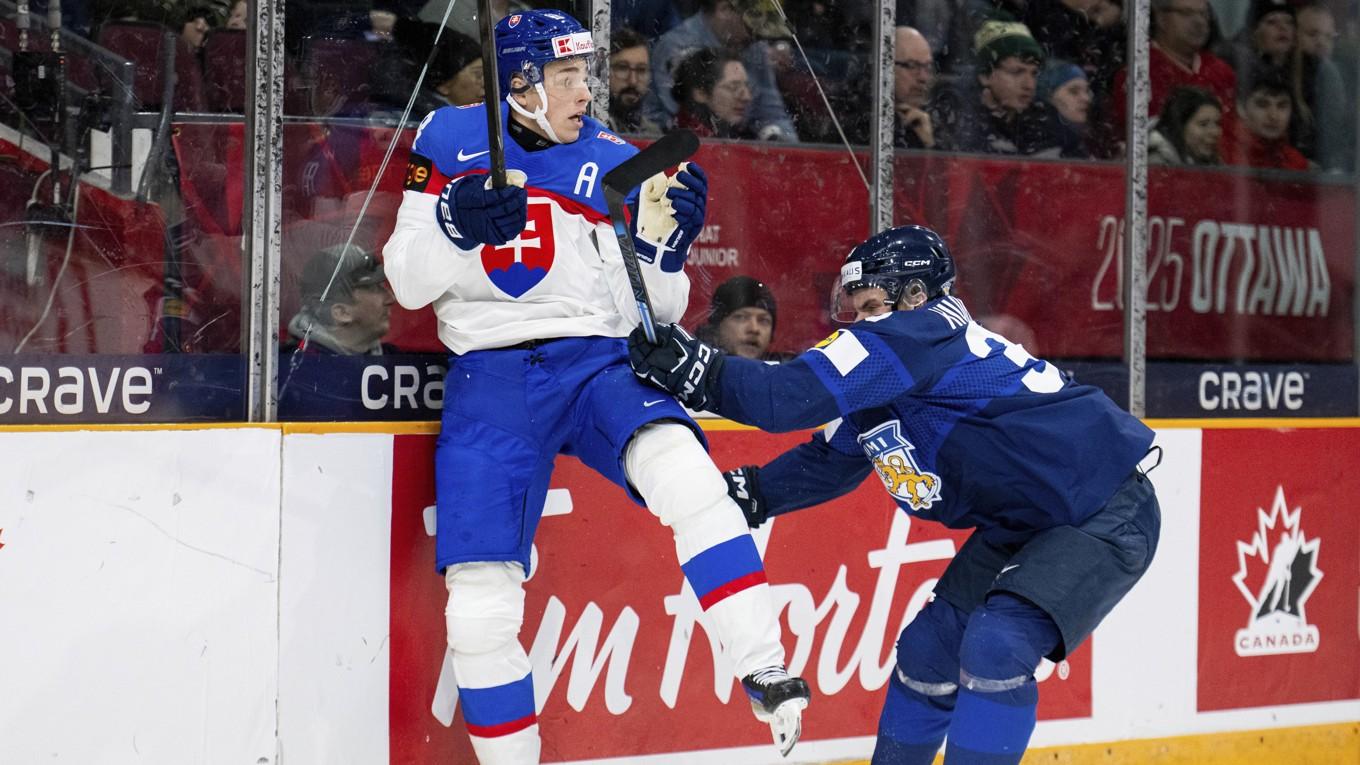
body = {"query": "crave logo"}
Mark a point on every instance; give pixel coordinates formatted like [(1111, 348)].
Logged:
[(1277, 572)]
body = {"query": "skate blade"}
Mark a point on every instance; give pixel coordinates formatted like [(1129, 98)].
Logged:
[(786, 724)]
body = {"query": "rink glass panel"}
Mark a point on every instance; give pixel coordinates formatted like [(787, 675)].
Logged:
[(778, 210), (1251, 270), (122, 293)]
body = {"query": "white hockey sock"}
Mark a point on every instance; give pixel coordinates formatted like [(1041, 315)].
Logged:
[(495, 682), (510, 742), (669, 468)]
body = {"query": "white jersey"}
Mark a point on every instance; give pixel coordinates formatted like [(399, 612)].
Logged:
[(563, 276)]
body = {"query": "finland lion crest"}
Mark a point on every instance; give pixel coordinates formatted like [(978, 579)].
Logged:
[(891, 454)]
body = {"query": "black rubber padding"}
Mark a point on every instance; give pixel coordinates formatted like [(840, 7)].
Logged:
[(668, 151)]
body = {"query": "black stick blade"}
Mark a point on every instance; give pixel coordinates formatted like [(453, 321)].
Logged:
[(668, 151)]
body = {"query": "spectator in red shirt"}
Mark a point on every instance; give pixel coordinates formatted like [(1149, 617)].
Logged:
[(1261, 137), (1180, 30), (713, 91)]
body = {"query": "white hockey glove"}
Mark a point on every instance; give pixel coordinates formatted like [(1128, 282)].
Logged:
[(656, 214), (670, 216)]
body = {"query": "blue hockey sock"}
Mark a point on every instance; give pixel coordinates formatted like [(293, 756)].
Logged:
[(995, 713), (912, 726), (923, 687)]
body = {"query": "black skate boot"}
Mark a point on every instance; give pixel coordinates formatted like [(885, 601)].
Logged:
[(778, 699)]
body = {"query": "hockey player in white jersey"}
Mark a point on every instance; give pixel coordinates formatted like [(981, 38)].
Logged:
[(532, 300)]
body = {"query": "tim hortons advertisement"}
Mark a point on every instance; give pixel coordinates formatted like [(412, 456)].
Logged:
[(1279, 568), (623, 662)]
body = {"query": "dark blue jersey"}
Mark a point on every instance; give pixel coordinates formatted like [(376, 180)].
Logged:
[(963, 426)]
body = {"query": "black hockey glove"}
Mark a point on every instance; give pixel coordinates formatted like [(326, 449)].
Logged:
[(743, 486), (686, 367)]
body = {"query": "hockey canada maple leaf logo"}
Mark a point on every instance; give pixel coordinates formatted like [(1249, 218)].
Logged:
[(1277, 572)]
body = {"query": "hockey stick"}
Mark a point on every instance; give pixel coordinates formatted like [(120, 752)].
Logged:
[(668, 151), (491, 88)]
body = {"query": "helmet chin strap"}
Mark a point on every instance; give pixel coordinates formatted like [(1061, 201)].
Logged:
[(539, 115)]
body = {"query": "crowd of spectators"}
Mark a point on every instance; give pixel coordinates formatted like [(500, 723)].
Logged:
[(1039, 78)]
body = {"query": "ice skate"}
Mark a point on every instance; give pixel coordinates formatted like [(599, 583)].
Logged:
[(778, 699)]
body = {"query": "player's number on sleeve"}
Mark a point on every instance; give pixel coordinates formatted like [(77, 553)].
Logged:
[(1040, 376)]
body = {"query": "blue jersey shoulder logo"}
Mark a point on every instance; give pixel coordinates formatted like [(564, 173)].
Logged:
[(891, 454)]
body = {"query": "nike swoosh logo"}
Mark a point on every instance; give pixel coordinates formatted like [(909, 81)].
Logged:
[(652, 403), (1008, 568), (465, 157)]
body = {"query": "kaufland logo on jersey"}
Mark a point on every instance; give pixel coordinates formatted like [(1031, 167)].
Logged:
[(1277, 572)]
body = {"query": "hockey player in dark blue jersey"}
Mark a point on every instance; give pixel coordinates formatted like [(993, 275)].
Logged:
[(965, 428)]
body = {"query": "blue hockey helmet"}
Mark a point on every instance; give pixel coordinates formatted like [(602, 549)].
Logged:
[(905, 260), (527, 41)]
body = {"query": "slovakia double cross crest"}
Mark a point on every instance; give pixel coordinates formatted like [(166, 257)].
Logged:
[(895, 464), (1277, 572), (521, 263)]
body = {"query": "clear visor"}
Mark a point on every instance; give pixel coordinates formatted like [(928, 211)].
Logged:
[(867, 296), (579, 72)]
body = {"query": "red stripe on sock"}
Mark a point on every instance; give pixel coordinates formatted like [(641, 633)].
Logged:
[(503, 729), (731, 588)]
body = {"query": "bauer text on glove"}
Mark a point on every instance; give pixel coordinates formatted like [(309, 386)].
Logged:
[(470, 212)]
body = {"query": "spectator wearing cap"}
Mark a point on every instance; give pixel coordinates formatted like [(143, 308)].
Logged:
[(457, 70), (913, 76), (346, 305), (1000, 115), (1261, 136), (730, 27), (1064, 86), (714, 94), (1189, 129), (1180, 31), (630, 80), (741, 319)]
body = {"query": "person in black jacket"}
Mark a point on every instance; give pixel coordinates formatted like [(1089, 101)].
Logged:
[(1000, 115)]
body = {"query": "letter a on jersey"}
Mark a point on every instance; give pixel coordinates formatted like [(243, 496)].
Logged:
[(521, 263)]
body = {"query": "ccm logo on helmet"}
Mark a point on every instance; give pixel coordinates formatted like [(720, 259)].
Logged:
[(915, 263)]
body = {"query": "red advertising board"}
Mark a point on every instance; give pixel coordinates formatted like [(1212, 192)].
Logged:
[(625, 667), (1263, 273), (1279, 568)]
